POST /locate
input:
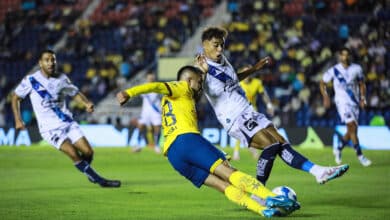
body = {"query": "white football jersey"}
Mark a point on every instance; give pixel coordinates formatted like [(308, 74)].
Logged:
[(47, 97), (151, 103), (223, 91), (345, 82)]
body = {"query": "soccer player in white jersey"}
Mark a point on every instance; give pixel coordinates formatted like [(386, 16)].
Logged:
[(150, 117), (350, 93), (47, 90), (238, 117)]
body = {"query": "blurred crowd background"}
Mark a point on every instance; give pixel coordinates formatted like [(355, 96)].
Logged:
[(103, 48)]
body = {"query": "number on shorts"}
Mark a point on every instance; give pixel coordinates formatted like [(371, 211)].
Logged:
[(250, 124)]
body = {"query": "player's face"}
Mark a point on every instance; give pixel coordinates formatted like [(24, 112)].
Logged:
[(345, 57), (195, 82), (48, 63), (196, 85), (213, 49)]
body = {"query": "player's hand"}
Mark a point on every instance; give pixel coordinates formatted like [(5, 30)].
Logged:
[(261, 63), (19, 125), (89, 107), (200, 62), (363, 103), (122, 97), (326, 102)]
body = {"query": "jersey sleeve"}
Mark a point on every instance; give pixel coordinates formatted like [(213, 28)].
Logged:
[(156, 87), (68, 87), (23, 88), (359, 72), (328, 75)]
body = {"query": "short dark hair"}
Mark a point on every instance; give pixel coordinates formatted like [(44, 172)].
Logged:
[(217, 32), (345, 49), (45, 51), (187, 68)]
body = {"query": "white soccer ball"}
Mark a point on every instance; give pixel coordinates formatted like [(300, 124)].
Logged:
[(285, 191)]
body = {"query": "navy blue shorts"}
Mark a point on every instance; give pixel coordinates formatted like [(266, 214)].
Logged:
[(194, 157)]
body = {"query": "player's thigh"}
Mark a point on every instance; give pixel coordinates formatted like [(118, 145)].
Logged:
[(69, 150), (352, 127), (78, 139), (275, 133), (194, 157), (194, 174), (263, 139)]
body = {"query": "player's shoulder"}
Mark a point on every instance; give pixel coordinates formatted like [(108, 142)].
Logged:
[(356, 66), (62, 77)]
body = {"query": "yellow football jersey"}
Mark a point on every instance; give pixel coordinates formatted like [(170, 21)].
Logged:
[(251, 89), (178, 112), (178, 108)]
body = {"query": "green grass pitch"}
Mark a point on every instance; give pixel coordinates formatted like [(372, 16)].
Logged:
[(41, 183)]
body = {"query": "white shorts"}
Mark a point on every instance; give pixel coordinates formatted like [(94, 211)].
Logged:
[(150, 118), (347, 112), (57, 136), (247, 124)]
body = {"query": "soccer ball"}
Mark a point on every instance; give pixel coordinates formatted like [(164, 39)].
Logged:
[(285, 191)]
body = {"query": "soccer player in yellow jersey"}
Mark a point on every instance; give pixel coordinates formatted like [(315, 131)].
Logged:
[(193, 156), (253, 86)]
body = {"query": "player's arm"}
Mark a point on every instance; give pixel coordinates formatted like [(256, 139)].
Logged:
[(154, 87), (324, 93), (362, 88), (81, 98), (267, 101), (15, 103), (249, 71)]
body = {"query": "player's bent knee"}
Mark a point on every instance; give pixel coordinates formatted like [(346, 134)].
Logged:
[(263, 139)]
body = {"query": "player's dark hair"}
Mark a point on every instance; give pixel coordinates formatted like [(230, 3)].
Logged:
[(187, 68), (217, 32), (45, 51), (346, 49)]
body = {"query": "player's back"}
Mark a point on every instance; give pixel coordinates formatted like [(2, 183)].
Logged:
[(178, 112)]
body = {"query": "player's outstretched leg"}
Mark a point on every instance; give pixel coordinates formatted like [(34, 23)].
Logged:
[(241, 198), (249, 184)]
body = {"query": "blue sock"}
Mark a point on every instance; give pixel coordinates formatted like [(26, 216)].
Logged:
[(85, 168), (294, 159), (265, 162), (357, 149)]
